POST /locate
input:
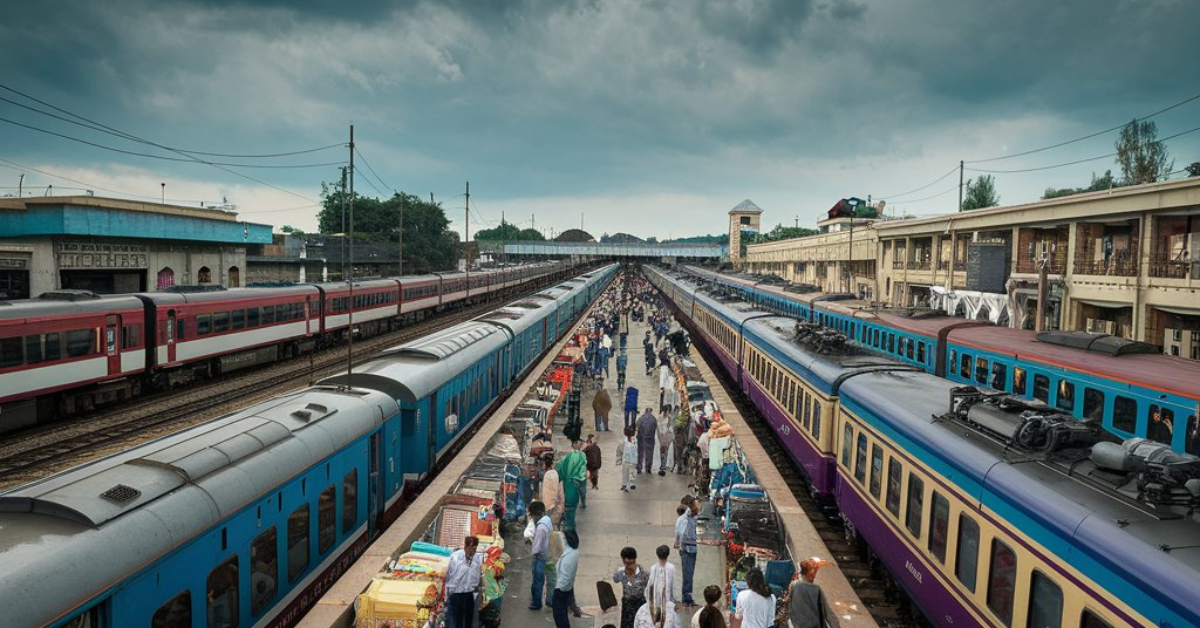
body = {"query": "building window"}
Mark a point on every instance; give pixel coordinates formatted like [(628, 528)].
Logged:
[(204, 275), (235, 277), (166, 278)]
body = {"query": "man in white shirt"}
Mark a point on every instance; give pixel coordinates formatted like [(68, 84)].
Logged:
[(663, 572), (685, 542), (462, 581), (564, 582)]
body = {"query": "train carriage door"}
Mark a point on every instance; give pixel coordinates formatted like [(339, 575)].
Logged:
[(170, 336), (112, 348), (431, 459), (375, 498)]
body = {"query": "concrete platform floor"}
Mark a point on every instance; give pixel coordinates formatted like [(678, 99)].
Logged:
[(642, 519)]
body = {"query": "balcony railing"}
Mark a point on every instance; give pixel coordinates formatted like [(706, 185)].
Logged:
[(919, 264), (897, 264), (1124, 267), (1056, 265), (1165, 268)]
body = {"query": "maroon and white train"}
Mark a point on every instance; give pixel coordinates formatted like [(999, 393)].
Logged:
[(69, 351)]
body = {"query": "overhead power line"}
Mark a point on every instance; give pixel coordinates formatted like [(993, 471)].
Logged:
[(1080, 139), (1072, 163), (893, 196)]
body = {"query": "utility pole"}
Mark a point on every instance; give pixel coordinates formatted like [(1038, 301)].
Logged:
[(400, 271), (797, 222), (21, 185), (960, 184), (345, 234), (350, 278), (1040, 324), (467, 237)]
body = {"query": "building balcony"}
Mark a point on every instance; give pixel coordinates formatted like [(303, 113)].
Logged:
[(1056, 265), (1164, 268), (1123, 267), (919, 264)]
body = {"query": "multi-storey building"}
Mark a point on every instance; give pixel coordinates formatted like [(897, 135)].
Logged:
[(1124, 261)]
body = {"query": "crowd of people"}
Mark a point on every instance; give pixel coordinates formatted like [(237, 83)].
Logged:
[(648, 597)]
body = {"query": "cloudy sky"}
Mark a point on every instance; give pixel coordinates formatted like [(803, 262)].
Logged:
[(651, 117)]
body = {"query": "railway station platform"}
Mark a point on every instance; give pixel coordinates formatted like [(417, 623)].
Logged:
[(643, 518)]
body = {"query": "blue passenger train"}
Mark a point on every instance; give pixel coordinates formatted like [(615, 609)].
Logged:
[(1130, 387), (246, 520), (989, 510)]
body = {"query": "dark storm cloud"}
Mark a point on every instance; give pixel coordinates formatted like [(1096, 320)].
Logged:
[(594, 97)]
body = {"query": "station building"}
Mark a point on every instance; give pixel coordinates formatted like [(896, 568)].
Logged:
[(1124, 261), (114, 246)]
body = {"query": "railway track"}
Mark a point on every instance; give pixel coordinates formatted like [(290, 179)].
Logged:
[(30, 456)]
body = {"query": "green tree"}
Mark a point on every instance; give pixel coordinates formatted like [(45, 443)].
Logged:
[(781, 232), (981, 193), (1098, 184), (507, 231), (1193, 169), (429, 244), (1143, 159)]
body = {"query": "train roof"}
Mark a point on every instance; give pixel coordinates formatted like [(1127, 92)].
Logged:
[(515, 319), (414, 370), (1162, 372), (18, 310), (1109, 528), (778, 332), (88, 528), (233, 294), (369, 284)]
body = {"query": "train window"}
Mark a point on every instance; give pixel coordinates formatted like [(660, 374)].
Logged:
[(80, 342), (952, 363), (876, 470), (222, 597), (326, 519), (807, 409), (1041, 388), (939, 526), (220, 322), (53, 347), (297, 542), (264, 567), (921, 352), (908, 348), (239, 319), (1093, 404), (891, 343), (176, 613), (10, 352), (1161, 424), (916, 501), (791, 397), (967, 564), (1089, 620), (268, 314), (981, 370), (1124, 414), (847, 438), (252, 317), (1045, 602), (131, 336), (33, 349), (1066, 396), (1002, 581), (860, 458), (203, 324), (1018, 381), (999, 375), (349, 500), (816, 429), (895, 476), (964, 366)]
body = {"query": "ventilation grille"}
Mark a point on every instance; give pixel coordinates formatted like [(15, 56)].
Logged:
[(121, 494)]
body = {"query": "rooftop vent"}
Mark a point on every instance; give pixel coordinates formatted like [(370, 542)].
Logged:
[(121, 494)]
